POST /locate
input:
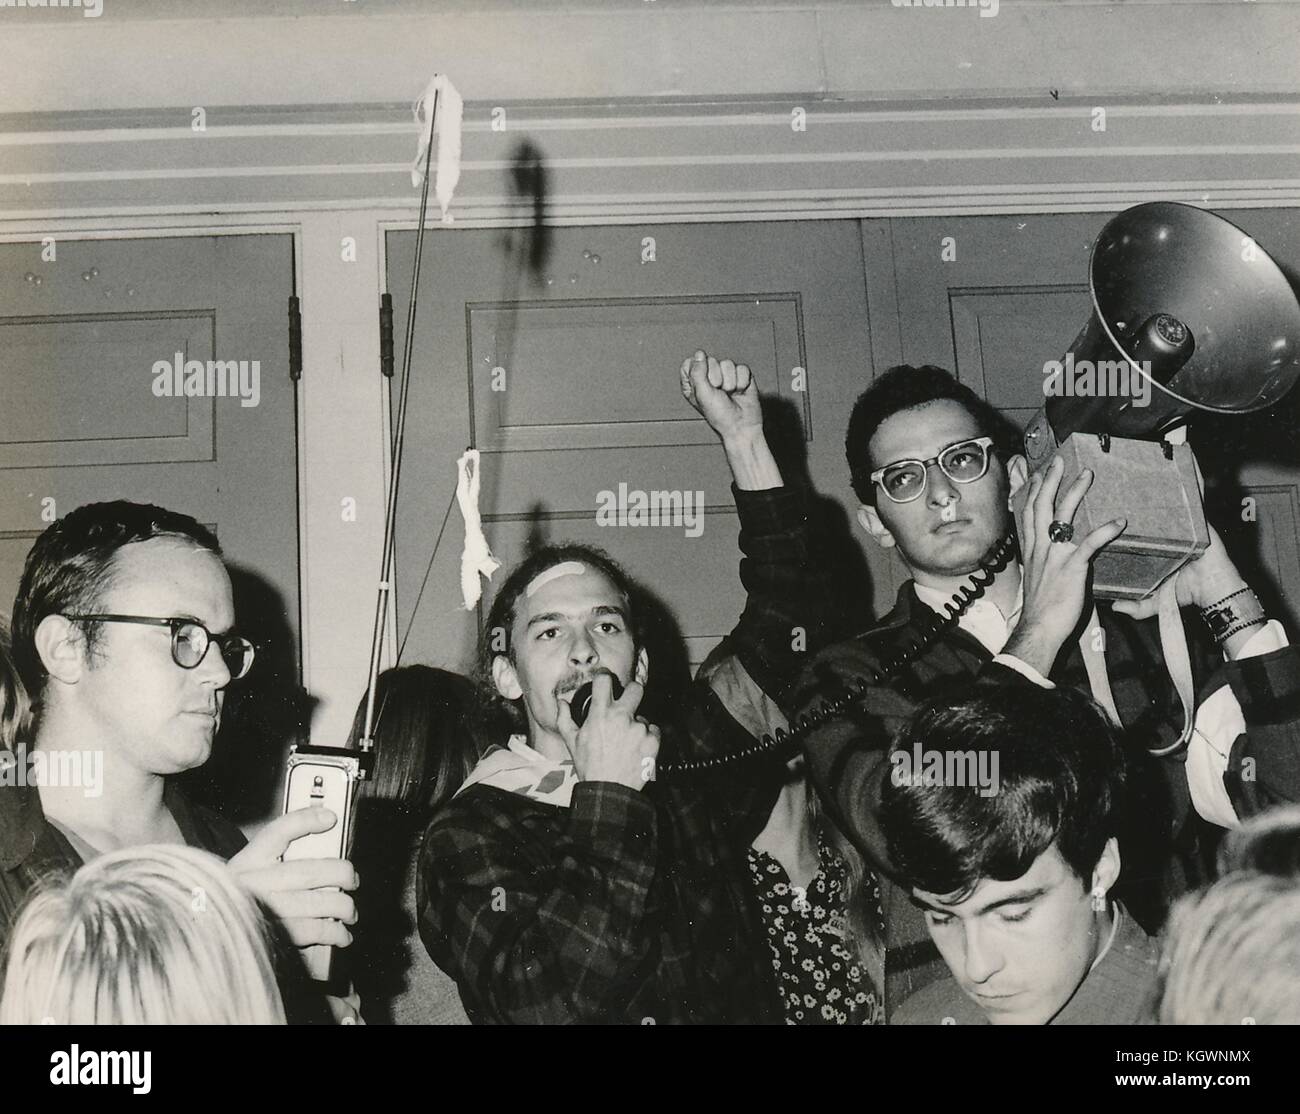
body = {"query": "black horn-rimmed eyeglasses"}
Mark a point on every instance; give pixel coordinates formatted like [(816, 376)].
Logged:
[(190, 641)]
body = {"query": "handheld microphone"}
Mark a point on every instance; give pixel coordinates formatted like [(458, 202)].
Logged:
[(581, 703)]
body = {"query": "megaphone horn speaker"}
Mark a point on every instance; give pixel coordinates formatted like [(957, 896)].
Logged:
[(1189, 313)]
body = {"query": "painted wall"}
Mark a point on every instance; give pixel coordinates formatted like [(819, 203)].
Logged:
[(646, 111)]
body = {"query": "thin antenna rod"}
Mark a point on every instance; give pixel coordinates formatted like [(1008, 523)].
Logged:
[(390, 514)]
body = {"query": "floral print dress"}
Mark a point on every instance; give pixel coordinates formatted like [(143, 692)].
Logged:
[(822, 979)]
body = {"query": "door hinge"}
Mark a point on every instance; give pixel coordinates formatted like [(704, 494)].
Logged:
[(295, 339), (386, 334)]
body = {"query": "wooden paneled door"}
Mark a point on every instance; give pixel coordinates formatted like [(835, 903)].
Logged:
[(569, 387), (994, 298), (85, 417)]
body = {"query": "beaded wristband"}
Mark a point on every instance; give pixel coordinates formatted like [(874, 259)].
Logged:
[(1226, 598), (1223, 617), (1259, 621)]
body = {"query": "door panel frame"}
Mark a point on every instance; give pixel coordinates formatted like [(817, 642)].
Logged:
[(341, 333), (332, 608)]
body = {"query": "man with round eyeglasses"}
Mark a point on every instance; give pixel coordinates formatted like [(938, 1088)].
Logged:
[(190, 641), (123, 634), (935, 469)]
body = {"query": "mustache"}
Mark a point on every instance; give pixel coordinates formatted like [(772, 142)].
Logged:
[(574, 680)]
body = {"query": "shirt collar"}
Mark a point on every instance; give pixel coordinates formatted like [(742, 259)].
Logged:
[(28, 836), (982, 619)]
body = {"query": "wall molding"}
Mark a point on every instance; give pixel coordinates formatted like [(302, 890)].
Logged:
[(683, 162)]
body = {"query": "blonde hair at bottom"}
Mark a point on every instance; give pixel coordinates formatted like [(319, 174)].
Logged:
[(153, 935), (1231, 954)]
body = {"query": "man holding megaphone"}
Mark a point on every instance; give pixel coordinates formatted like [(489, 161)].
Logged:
[(938, 471), (1104, 499)]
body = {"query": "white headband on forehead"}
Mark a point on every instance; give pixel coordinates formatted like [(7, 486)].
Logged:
[(564, 568)]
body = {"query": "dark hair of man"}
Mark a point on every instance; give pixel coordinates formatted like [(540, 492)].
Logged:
[(905, 387), (1061, 780), (71, 565), (499, 633)]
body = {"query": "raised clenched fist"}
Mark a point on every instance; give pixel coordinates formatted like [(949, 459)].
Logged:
[(724, 392)]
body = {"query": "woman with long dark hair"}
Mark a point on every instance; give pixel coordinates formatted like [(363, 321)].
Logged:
[(426, 743), (15, 708)]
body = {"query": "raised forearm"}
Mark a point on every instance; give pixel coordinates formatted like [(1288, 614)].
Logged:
[(752, 464)]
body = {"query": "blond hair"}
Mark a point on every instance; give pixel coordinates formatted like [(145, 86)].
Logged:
[(153, 935), (1231, 953)]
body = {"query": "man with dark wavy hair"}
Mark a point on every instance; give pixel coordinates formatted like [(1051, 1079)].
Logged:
[(1014, 878), (936, 468)]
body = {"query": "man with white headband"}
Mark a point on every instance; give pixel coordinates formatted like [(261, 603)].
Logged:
[(564, 883)]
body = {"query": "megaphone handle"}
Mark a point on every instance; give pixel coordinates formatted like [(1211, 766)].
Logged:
[(1173, 643), (1093, 650)]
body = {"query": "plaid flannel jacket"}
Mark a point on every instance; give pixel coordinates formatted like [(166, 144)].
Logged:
[(1167, 848), (632, 906)]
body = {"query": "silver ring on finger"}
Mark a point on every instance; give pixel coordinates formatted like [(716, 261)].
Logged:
[(1059, 531)]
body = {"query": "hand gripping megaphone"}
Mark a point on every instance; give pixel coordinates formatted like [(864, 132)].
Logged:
[(1189, 313)]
